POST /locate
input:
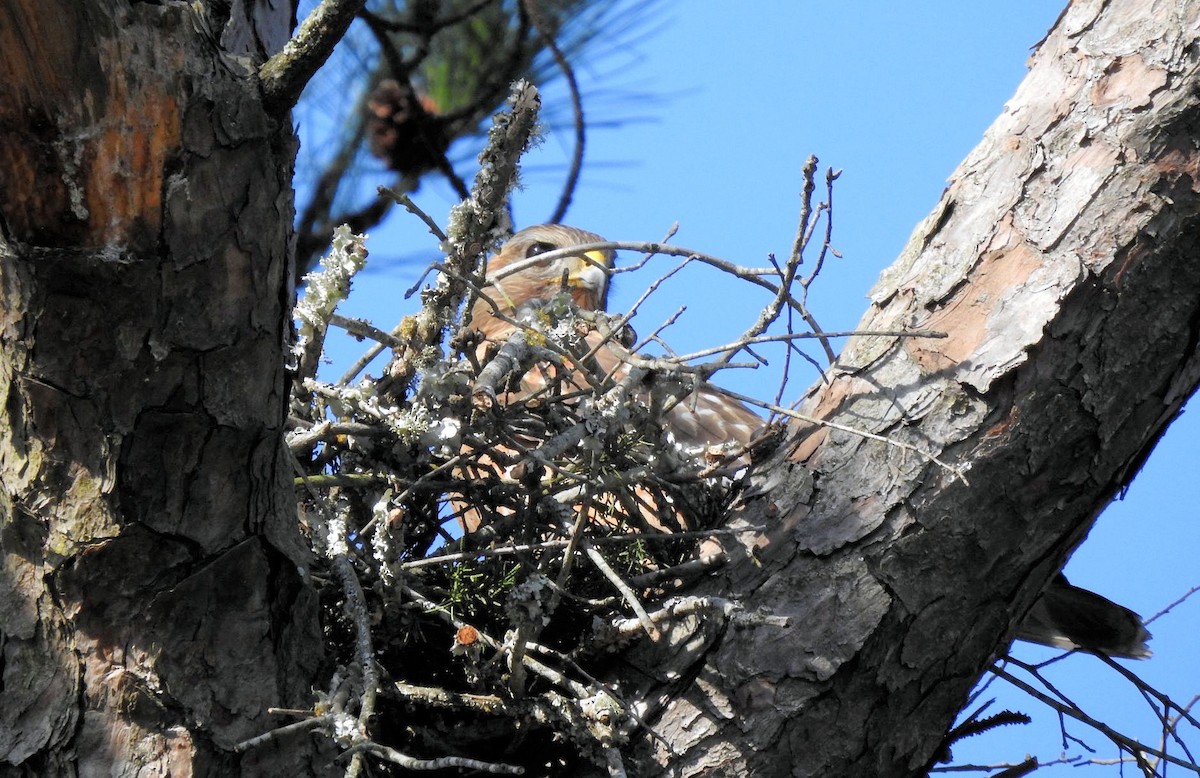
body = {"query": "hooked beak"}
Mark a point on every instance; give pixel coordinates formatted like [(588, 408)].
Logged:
[(589, 272), (588, 279)]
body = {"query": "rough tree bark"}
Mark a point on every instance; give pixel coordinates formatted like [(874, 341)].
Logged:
[(1063, 263), (151, 607)]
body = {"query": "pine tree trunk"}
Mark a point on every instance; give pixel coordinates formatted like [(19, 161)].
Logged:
[(1063, 265), (151, 608)]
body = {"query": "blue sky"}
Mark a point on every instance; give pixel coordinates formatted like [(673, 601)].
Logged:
[(894, 95)]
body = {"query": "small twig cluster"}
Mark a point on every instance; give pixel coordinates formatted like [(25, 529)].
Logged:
[(1178, 723)]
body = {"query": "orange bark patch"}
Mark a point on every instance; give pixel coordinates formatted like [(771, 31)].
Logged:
[(831, 400), (1130, 82), (138, 134), (90, 124), (964, 316)]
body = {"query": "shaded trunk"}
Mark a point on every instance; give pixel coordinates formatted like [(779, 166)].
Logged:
[(151, 607), (1062, 262)]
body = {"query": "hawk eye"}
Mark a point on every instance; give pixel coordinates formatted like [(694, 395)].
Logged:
[(538, 248)]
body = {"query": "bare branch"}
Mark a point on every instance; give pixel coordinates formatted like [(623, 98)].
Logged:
[(284, 75), (440, 763), (631, 599), (543, 30), (403, 199)]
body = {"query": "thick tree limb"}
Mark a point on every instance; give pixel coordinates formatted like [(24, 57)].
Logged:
[(1062, 263)]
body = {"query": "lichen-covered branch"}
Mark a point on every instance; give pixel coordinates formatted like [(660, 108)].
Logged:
[(473, 229), (285, 74)]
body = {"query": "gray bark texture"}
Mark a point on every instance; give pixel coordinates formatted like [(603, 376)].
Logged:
[(151, 608), (1063, 264)]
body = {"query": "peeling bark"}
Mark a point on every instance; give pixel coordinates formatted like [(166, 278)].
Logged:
[(1063, 264)]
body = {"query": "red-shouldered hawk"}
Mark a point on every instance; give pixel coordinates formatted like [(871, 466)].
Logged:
[(1064, 616), (699, 424), (713, 419)]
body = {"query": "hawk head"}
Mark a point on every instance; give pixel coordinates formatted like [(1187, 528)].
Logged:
[(516, 276)]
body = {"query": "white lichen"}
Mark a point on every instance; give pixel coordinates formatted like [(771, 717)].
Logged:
[(381, 537), (335, 537), (326, 287)]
